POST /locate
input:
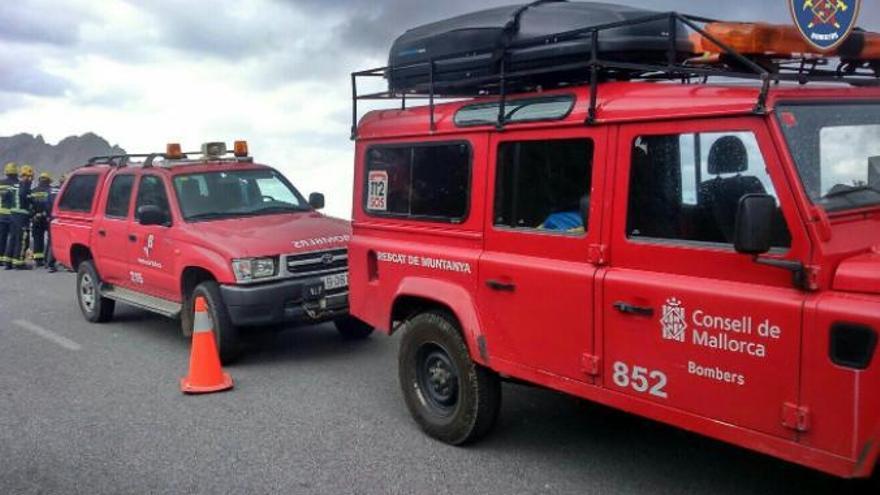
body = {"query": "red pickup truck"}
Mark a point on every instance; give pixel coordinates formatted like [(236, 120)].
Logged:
[(210, 224)]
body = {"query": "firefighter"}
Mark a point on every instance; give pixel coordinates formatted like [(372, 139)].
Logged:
[(20, 218), (40, 209), (8, 192)]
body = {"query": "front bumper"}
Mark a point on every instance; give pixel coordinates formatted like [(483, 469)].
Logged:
[(283, 301)]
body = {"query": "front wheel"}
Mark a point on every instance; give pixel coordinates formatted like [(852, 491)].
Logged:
[(94, 307), (452, 398), (352, 329), (225, 333)]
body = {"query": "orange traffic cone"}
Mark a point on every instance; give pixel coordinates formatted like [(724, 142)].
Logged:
[(205, 374)]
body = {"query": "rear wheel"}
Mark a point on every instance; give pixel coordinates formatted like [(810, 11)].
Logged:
[(225, 333), (452, 398), (352, 329), (94, 307)]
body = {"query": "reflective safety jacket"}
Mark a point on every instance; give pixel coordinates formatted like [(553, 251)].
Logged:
[(40, 197), (9, 195), (24, 198)]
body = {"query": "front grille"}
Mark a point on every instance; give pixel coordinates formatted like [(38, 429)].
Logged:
[(317, 263)]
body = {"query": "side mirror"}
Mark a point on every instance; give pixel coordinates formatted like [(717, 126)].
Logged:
[(316, 201), (754, 224), (151, 215)]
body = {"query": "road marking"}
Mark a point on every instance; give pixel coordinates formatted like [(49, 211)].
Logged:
[(48, 335)]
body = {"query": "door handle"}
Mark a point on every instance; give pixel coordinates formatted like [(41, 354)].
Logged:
[(500, 286), (629, 309), (132, 238), (102, 232)]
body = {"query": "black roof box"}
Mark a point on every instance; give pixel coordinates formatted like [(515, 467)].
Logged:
[(532, 36)]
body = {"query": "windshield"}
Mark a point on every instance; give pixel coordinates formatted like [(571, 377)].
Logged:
[(837, 151), (236, 193)]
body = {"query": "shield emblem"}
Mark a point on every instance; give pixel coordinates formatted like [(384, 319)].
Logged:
[(825, 24)]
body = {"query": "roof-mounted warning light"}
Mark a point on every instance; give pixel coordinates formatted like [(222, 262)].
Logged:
[(173, 151), (758, 38), (240, 149)]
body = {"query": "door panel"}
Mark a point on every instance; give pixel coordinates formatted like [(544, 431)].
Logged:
[(150, 247), (110, 237), (536, 279), (688, 322)]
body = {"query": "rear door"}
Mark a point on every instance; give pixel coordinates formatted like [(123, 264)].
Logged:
[(689, 323), (536, 273), (110, 239), (150, 247)]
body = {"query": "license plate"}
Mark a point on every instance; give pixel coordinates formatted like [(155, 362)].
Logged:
[(337, 281)]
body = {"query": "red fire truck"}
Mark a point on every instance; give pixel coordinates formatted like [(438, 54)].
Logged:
[(693, 237)]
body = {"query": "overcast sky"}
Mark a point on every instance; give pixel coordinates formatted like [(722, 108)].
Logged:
[(274, 72)]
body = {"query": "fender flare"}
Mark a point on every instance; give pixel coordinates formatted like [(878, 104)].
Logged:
[(459, 300)]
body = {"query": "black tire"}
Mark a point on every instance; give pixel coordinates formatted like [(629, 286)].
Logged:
[(95, 308), (451, 398), (225, 333), (352, 329)]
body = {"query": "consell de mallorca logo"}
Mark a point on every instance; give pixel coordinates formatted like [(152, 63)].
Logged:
[(825, 24)]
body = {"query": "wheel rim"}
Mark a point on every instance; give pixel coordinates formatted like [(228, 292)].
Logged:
[(437, 378), (87, 292)]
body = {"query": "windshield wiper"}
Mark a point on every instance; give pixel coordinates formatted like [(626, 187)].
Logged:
[(210, 215), (847, 192), (278, 209)]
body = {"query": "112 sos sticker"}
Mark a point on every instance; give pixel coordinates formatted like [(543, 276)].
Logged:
[(377, 191)]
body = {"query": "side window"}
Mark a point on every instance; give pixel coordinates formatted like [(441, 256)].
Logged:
[(152, 193), (428, 181), (544, 185), (80, 193), (119, 197), (687, 187)]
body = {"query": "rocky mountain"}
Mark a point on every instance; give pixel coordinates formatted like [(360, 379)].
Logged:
[(56, 159)]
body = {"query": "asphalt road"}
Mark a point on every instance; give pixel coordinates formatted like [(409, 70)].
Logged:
[(96, 409)]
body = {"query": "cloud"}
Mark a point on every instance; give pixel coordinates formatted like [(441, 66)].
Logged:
[(40, 21), (22, 74)]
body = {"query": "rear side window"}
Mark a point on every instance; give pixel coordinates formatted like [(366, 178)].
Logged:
[(424, 181), (79, 193), (526, 110), (687, 187), (119, 197), (544, 185)]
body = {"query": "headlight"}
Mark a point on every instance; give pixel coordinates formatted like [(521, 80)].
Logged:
[(250, 269)]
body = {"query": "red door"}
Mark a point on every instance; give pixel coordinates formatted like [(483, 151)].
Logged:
[(110, 238), (688, 322), (150, 247), (536, 277)]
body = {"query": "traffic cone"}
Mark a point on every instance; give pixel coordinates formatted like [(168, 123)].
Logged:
[(205, 373)]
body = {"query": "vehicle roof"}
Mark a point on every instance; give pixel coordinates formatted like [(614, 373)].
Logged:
[(616, 102)]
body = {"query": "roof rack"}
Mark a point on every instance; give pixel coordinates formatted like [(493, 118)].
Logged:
[(120, 161), (768, 70), (123, 160)]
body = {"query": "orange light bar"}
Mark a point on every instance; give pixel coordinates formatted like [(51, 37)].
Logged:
[(756, 38), (173, 151), (240, 149)]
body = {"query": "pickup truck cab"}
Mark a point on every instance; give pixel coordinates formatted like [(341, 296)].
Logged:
[(702, 253), (236, 232)]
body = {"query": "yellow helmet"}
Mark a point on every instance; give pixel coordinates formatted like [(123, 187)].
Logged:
[(45, 176), (10, 169), (27, 171)]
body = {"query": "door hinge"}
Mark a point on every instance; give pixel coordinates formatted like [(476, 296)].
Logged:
[(597, 254), (591, 364), (795, 417)]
